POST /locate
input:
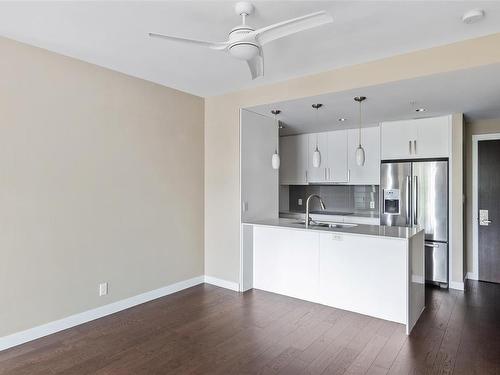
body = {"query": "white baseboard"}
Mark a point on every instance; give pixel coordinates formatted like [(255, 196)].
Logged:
[(222, 283), (457, 285), (471, 276), (22, 337)]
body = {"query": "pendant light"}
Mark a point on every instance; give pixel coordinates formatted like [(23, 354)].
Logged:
[(275, 159), (316, 158), (360, 152)]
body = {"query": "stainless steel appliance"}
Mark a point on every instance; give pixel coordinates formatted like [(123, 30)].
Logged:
[(415, 194)]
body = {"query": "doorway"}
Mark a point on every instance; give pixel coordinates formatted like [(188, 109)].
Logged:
[(486, 207)]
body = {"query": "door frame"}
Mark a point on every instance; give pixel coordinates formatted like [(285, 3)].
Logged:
[(475, 200)]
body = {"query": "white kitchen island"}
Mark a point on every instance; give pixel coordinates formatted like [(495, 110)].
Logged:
[(369, 269)]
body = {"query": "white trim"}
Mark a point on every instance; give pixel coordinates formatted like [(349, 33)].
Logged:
[(240, 270), (450, 197), (457, 285), (475, 204), (471, 276), (222, 283), (34, 333)]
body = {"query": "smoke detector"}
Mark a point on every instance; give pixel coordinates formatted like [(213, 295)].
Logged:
[(473, 16)]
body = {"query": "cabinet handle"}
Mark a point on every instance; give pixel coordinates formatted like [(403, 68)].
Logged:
[(409, 146), (306, 175), (415, 146), (329, 174), (348, 175), (324, 175)]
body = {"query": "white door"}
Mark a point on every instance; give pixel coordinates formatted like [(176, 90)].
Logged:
[(369, 173), (337, 156), (397, 139), (293, 156), (321, 141), (433, 137)]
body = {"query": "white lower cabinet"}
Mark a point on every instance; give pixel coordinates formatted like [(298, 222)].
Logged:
[(286, 262), (363, 274)]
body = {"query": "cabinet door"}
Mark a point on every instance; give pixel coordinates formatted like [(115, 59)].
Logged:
[(433, 137), (337, 156), (293, 157), (286, 262), (317, 174), (356, 275), (369, 173), (397, 138)]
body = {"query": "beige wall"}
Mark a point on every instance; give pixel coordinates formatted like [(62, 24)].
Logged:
[(456, 221), (101, 179), (222, 124), (473, 128)]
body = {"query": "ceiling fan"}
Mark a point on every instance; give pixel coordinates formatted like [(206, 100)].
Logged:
[(245, 43)]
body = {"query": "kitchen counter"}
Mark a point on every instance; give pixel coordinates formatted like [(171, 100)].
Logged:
[(361, 229), (369, 269)]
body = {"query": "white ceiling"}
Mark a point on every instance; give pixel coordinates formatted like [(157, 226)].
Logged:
[(113, 34), (475, 92)]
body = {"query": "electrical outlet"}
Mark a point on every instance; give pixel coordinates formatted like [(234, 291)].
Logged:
[(299, 202), (103, 289), (372, 204)]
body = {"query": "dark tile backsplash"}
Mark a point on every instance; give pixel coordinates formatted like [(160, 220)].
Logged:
[(339, 198)]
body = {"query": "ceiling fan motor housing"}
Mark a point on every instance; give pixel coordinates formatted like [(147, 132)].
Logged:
[(240, 47)]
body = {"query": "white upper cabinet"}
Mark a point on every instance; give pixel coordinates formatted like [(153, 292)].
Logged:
[(318, 174), (397, 139), (293, 157), (416, 139), (333, 150), (433, 136), (369, 173), (337, 170)]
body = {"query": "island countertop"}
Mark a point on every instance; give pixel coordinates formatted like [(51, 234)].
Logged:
[(360, 229)]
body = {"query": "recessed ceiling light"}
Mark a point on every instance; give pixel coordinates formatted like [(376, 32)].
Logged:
[(473, 16), (420, 110), (342, 119)]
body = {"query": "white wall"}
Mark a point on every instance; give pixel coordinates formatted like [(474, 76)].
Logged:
[(101, 179), (259, 181)]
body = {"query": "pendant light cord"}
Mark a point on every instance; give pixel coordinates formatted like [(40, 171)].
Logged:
[(359, 134), (278, 129)]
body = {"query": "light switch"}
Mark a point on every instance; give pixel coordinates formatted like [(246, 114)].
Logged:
[(372, 204), (299, 202)]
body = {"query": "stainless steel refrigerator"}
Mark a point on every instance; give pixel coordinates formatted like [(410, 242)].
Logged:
[(415, 194)]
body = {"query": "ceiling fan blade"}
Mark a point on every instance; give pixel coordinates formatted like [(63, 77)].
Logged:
[(211, 45), (282, 29), (256, 65)]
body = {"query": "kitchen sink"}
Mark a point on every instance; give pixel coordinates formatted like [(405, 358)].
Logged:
[(321, 224)]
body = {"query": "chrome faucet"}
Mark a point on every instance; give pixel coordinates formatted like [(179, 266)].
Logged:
[(323, 207)]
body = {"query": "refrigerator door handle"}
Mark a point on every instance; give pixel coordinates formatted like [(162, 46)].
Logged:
[(415, 208), (408, 189), (433, 245)]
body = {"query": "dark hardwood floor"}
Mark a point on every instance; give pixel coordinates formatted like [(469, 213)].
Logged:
[(209, 330)]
